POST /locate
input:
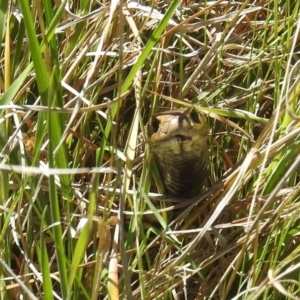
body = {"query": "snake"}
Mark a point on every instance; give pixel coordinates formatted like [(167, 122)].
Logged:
[(178, 141)]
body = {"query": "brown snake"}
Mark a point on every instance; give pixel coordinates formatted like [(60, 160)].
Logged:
[(178, 141)]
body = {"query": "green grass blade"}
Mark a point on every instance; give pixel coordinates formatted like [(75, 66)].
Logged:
[(42, 76), (4, 5), (154, 38), (15, 87), (54, 131), (44, 263)]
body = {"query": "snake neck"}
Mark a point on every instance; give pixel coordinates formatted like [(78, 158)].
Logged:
[(184, 175)]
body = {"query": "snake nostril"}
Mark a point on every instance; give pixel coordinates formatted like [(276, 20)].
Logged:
[(195, 117), (155, 124)]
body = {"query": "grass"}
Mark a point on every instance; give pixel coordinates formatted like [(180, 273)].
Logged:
[(80, 216)]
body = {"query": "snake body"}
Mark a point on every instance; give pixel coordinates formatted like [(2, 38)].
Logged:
[(178, 140)]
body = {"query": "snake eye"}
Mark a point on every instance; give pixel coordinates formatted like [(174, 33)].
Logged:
[(155, 124), (195, 117)]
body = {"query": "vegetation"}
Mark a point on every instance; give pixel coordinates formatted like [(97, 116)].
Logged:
[(80, 217)]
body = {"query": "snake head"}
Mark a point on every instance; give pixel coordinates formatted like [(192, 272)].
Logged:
[(176, 130)]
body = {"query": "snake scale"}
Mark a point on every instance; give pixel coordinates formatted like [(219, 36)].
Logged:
[(178, 141)]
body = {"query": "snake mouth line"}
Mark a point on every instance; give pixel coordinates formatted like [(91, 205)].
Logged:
[(182, 138)]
